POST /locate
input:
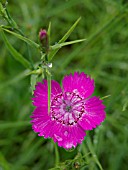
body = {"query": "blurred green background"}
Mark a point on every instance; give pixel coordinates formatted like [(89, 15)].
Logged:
[(104, 56)]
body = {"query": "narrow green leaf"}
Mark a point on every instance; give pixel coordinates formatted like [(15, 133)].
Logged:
[(4, 165), (57, 46), (17, 56), (63, 39), (49, 31), (125, 105), (5, 125), (28, 154), (105, 97), (33, 81), (28, 41), (3, 11), (15, 79), (90, 146)]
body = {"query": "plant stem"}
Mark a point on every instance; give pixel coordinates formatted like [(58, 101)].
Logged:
[(56, 155), (15, 27), (49, 88)]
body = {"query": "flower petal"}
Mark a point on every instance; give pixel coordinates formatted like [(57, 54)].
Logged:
[(67, 127), (79, 82), (55, 88), (39, 117), (69, 136), (94, 114), (41, 92), (42, 123)]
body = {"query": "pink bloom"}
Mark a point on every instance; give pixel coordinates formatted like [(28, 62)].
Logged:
[(72, 110)]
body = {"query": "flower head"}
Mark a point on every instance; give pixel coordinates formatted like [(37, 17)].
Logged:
[(72, 110)]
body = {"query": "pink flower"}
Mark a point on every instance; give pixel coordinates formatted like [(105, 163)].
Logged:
[(72, 110)]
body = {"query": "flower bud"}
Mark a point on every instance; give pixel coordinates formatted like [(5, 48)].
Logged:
[(43, 36)]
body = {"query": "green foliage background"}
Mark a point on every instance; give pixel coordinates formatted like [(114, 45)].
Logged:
[(104, 56)]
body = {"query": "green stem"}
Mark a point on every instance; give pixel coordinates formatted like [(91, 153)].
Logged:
[(56, 155), (13, 24), (29, 54), (49, 88), (10, 20)]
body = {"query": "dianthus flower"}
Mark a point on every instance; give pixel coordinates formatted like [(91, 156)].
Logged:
[(72, 110)]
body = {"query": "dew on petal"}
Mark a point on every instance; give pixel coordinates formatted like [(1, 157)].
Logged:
[(69, 145), (58, 138), (75, 91), (66, 133)]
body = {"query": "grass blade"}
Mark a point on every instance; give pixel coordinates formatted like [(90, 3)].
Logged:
[(63, 39), (57, 46), (90, 146), (125, 105), (3, 163), (49, 32), (17, 56), (6, 125), (28, 41), (33, 82)]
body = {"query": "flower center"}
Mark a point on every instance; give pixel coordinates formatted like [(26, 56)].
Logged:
[(67, 108)]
